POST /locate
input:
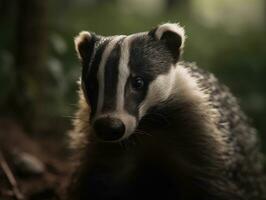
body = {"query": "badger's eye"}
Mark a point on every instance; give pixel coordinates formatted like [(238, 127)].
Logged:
[(137, 83)]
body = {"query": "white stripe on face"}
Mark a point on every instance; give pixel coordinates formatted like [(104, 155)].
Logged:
[(124, 72), (101, 72), (123, 75), (159, 90)]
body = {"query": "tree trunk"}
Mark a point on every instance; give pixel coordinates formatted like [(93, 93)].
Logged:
[(31, 54)]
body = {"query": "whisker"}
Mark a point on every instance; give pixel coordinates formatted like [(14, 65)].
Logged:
[(141, 132), (161, 116), (122, 145), (75, 118)]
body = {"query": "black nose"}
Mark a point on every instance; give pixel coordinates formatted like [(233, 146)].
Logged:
[(109, 129)]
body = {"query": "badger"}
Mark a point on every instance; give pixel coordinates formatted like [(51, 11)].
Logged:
[(151, 126)]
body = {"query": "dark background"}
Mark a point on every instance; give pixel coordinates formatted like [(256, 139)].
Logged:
[(39, 67)]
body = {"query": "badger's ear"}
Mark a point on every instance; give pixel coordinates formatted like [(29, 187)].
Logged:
[(173, 35), (84, 44)]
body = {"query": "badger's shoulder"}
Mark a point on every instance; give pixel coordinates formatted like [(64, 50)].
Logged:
[(231, 116), (221, 98), (236, 129)]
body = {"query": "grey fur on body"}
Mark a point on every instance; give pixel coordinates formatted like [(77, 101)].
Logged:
[(196, 146)]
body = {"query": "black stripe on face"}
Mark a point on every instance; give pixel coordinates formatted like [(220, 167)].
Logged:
[(90, 82), (148, 59), (111, 78), (133, 98)]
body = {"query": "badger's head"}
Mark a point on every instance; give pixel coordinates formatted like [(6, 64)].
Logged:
[(124, 76)]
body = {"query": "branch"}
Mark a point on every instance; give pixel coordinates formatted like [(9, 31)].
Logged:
[(7, 171)]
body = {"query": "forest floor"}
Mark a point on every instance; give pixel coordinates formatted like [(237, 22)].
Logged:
[(31, 168)]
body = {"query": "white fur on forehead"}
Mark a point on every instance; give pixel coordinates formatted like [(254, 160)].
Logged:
[(82, 38), (173, 27)]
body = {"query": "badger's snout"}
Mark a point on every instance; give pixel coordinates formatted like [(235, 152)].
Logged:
[(109, 129)]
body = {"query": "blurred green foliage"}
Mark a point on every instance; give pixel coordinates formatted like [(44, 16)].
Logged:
[(237, 56)]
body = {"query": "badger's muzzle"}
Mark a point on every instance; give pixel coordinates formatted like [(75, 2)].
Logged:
[(109, 128)]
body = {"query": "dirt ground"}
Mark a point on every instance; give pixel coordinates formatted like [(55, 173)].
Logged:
[(31, 168)]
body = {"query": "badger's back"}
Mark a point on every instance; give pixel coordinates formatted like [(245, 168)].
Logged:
[(245, 161)]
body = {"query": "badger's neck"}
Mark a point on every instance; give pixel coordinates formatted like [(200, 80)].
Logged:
[(183, 119), (177, 84)]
